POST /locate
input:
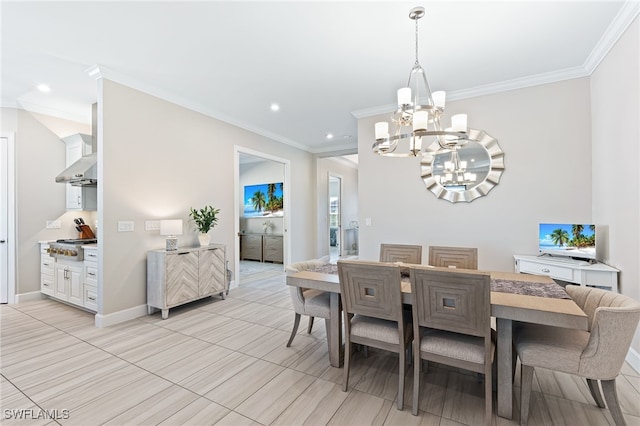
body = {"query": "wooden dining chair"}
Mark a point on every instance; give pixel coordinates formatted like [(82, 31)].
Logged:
[(597, 354), (452, 324), (405, 253), (373, 314), (453, 257)]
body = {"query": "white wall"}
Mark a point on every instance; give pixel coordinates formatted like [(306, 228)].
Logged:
[(40, 157), (157, 159), (349, 201), (615, 123), (544, 132)]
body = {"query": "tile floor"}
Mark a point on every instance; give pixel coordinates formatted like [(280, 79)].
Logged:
[(224, 362)]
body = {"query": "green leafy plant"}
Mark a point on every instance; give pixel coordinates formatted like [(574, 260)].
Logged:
[(205, 218)]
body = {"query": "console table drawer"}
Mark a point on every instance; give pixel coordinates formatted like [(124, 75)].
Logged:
[(251, 247), (600, 279), (272, 248), (553, 271)]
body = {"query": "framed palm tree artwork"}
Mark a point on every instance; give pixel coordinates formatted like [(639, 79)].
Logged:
[(263, 200)]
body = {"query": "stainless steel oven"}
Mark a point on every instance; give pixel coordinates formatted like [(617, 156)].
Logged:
[(70, 249)]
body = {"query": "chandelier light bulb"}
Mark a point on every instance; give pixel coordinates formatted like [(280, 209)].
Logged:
[(420, 120), (459, 122), (382, 130), (439, 98), (404, 96)]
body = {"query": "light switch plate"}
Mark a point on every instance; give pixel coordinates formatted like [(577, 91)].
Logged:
[(125, 226), (53, 224), (152, 225)]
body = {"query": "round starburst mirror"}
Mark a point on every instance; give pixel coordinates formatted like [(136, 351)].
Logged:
[(464, 172)]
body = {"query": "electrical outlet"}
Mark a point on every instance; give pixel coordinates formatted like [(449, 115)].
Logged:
[(53, 224), (367, 221), (152, 225), (125, 226)]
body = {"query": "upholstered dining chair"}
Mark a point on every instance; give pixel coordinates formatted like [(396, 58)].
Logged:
[(596, 355), (406, 253), (373, 314), (453, 257), (452, 324), (310, 302)]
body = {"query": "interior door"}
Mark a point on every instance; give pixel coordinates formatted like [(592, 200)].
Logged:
[(335, 217), (4, 224)]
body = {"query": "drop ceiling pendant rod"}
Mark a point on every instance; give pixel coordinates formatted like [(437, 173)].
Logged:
[(418, 115)]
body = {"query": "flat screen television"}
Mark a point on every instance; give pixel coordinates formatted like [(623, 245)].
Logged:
[(263, 200), (577, 241)]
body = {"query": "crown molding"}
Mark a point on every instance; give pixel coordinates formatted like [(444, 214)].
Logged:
[(629, 11)]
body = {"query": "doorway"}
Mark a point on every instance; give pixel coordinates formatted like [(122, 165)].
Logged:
[(335, 217), (261, 215), (7, 220)]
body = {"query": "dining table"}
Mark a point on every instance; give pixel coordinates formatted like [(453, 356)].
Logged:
[(509, 303)]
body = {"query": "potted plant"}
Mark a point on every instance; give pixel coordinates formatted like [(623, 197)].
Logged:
[(205, 219)]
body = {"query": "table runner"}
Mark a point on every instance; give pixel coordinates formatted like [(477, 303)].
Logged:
[(554, 291)]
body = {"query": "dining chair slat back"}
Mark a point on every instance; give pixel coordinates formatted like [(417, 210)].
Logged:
[(452, 323), (405, 253), (373, 314), (453, 257)]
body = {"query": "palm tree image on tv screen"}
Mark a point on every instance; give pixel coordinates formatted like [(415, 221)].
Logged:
[(263, 200), (574, 240)]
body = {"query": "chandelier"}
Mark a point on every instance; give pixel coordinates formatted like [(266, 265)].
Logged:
[(418, 115)]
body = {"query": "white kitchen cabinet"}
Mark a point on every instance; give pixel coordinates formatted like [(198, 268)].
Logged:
[(74, 282), (79, 197), (184, 275), (90, 278), (68, 282), (47, 271)]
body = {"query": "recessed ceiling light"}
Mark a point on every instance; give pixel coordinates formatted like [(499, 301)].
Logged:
[(275, 107), (43, 88), (329, 136)]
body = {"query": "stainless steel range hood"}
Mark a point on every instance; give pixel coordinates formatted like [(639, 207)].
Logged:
[(83, 172)]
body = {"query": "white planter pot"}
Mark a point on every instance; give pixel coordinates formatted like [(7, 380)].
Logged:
[(204, 239)]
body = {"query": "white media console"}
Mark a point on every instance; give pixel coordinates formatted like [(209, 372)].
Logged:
[(566, 269)]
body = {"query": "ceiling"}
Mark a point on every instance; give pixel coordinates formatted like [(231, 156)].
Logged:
[(324, 63)]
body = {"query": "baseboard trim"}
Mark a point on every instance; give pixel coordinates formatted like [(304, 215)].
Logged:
[(120, 316), (233, 284), (633, 358), (29, 297)]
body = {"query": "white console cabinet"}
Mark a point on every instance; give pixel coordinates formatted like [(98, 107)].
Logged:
[(184, 275), (583, 273)]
